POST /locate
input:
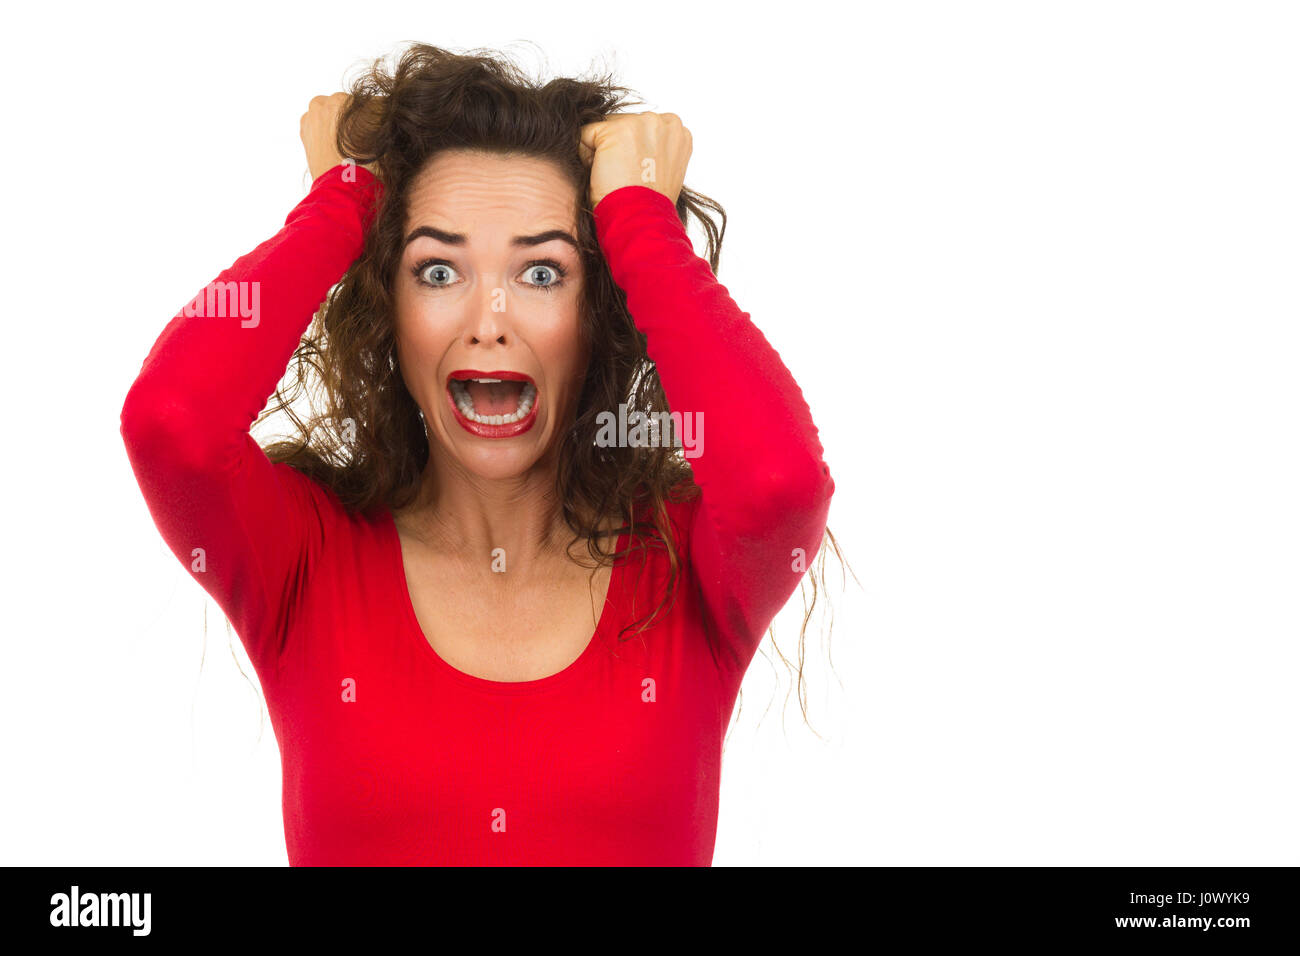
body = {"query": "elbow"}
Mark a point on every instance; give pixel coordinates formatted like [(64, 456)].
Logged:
[(801, 483), (144, 416), (132, 418), (797, 492), (157, 427)]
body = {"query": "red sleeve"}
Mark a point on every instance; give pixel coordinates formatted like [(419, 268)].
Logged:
[(765, 491), (249, 531)]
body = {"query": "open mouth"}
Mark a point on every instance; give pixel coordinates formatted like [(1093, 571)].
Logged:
[(496, 404)]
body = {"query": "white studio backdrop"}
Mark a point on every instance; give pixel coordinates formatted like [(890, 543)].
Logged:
[(1034, 267)]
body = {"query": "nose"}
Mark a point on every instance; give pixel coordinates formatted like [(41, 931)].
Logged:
[(487, 322)]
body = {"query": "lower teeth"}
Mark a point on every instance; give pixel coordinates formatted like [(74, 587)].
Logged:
[(460, 394)]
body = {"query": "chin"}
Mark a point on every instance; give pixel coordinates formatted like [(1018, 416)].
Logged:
[(493, 458), (497, 464)]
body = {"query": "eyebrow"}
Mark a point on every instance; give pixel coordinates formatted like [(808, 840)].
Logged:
[(459, 238)]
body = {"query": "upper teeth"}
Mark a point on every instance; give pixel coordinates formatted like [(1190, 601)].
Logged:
[(466, 405)]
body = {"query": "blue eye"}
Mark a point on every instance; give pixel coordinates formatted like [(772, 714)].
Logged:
[(550, 266), (432, 265), (439, 274)]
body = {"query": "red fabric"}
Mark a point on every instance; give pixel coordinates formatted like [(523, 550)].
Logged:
[(429, 765)]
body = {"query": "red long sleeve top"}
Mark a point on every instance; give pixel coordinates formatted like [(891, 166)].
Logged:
[(389, 754)]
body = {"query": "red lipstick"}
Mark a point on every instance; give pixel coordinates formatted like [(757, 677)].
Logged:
[(483, 429)]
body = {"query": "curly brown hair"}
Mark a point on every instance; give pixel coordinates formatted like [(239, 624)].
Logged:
[(396, 120)]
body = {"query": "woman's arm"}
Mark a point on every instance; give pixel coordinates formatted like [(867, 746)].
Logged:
[(248, 530), (765, 491)]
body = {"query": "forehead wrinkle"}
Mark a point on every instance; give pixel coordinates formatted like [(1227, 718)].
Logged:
[(457, 196)]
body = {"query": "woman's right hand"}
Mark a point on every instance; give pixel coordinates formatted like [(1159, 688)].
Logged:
[(318, 127)]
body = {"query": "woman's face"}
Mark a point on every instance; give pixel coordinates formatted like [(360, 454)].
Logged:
[(488, 319)]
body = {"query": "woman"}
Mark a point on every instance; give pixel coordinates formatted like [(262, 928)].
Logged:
[(450, 679)]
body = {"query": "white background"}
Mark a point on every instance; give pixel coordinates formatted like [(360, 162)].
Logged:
[(1034, 266)]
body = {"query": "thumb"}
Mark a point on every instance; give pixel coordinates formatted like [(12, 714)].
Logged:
[(588, 142)]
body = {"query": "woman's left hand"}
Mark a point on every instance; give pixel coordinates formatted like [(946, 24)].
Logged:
[(636, 149)]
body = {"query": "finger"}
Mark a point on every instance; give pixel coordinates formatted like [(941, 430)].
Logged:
[(588, 140), (588, 134)]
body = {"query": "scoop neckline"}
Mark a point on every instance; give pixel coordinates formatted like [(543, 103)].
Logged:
[(411, 624)]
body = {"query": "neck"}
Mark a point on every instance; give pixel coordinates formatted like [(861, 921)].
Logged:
[(465, 515)]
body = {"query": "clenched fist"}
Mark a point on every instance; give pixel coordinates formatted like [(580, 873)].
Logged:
[(318, 129), (636, 149)]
